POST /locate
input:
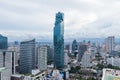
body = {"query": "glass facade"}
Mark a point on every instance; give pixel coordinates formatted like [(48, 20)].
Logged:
[(3, 42), (27, 56), (59, 41)]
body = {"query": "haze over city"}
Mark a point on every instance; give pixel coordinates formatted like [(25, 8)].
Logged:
[(83, 18)]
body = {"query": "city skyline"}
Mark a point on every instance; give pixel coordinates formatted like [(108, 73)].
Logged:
[(59, 40), (83, 19)]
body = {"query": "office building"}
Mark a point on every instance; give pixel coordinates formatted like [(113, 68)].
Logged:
[(59, 41), (50, 53), (7, 60), (42, 58), (27, 56), (3, 42)]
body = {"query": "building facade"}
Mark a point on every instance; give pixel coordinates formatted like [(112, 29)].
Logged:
[(3, 42), (42, 58), (86, 59), (59, 41), (4, 74), (27, 56), (110, 44), (7, 60)]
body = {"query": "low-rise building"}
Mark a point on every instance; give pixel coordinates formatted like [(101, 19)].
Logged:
[(111, 74), (4, 73)]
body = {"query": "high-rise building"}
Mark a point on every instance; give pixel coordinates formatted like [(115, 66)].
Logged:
[(7, 60), (3, 42), (110, 44), (81, 50), (16, 49), (42, 57), (59, 41), (50, 53), (27, 56)]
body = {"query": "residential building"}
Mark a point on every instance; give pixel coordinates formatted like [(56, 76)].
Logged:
[(7, 60)]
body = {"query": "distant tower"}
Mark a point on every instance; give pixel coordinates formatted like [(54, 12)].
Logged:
[(3, 42), (27, 56), (42, 57), (110, 44), (59, 41), (74, 46)]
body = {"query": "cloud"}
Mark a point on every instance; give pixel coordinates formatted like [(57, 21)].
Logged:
[(35, 18)]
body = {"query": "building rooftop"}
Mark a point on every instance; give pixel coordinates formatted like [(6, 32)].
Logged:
[(17, 75), (28, 40), (2, 69)]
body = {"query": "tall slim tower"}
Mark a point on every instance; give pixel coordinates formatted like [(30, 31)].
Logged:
[(59, 41)]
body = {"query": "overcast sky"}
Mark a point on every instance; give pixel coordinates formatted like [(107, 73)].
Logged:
[(22, 19)]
